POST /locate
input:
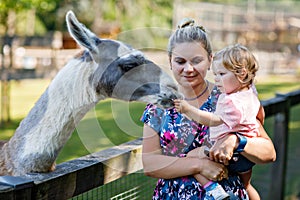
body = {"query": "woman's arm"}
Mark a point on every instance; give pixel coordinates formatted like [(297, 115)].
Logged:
[(258, 149), (161, 166)]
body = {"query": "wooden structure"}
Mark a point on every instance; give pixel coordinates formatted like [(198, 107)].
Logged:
[(263, 25), (91, 171), (76, 176)]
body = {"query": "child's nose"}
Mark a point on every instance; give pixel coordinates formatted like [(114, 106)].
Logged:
[(216, 78)]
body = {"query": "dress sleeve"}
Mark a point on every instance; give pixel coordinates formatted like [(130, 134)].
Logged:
[(153, 117), (231, 112)]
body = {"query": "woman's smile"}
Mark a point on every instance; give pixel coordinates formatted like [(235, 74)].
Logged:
[(190, 77)]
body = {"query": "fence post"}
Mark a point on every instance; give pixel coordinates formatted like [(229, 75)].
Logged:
[(20, 188), (278, 173)]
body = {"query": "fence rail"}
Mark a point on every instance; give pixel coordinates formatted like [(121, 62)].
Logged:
[(279, 107), (83, 174)]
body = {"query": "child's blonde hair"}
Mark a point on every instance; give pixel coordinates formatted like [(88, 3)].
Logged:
[(239, 60)]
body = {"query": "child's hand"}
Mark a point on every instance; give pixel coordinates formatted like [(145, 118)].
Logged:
[(181, 105), (177, 104)]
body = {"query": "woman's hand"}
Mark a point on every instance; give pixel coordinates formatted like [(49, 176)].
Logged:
[(213, 171), (223, 148), (198, 152)]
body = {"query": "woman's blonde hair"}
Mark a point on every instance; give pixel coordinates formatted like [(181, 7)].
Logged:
[(239, 60), (187, 31)]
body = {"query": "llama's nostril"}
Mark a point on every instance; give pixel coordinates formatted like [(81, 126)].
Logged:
[(173, 96), (167, 100)]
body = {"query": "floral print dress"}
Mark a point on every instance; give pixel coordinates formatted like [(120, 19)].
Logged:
[(179, 135)]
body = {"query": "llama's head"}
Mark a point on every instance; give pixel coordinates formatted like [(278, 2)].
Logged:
[(122, 72)]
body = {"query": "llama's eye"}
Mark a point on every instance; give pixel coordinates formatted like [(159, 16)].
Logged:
[(129, 62), (128, 66), (97, 41)]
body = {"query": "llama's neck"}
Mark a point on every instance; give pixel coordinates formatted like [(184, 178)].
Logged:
[(52, 120)]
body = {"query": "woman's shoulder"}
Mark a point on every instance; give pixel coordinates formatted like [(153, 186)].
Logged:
[(155, 116), (156, 110), (212, 100), (215, 92)]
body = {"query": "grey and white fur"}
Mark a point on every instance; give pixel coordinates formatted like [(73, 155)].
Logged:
[(105, 69)]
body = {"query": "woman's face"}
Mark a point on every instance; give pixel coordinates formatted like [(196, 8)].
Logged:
[(190, 63)]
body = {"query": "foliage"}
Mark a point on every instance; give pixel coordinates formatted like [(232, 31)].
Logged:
[(19, 6), (52, 12)]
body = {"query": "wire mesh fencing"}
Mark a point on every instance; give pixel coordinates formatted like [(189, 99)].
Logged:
[(130, 187)]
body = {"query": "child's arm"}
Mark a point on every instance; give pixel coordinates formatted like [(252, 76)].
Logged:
[(203, 117)]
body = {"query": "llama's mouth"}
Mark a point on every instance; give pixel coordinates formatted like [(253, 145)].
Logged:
[(166, 101)]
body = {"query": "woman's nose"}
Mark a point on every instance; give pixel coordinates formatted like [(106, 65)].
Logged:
[(188, 67)]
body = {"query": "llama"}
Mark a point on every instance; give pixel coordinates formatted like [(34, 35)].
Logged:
[(105, 69)]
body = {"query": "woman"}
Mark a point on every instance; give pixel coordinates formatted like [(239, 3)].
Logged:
[(171, 140)]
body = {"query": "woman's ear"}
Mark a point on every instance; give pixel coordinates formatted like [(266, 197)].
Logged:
[(210, 59)]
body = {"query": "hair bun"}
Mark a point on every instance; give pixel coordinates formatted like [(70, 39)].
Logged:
[(185, 22)]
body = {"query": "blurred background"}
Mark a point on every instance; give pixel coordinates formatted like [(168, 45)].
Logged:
[(35, 45), (34, 42)]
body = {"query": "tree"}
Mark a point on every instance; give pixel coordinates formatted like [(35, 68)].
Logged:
[(10, 8)]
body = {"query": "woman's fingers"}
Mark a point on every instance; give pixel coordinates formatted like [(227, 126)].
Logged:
[(220, 155), (222, 150), (215, 171)]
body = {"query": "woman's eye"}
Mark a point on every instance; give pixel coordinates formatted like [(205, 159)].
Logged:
[(180, 62), (196, 62)]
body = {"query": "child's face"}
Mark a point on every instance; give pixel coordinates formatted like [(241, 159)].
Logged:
[(225, 80)]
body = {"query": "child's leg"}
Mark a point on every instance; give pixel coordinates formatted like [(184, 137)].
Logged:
[(246, 178), (202, 180), (212, 189)]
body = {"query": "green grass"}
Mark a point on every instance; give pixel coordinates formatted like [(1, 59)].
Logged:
[(114, 122)]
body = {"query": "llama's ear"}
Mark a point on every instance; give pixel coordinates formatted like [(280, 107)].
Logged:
[(81, 34)]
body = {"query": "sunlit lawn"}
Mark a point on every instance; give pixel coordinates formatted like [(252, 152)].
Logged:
[(114, 122)]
